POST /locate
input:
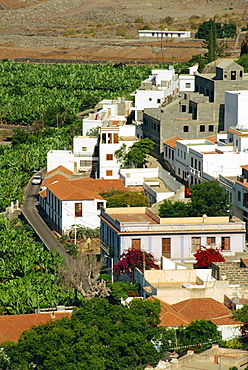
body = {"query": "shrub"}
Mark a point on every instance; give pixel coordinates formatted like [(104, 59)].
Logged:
[(205, 256)]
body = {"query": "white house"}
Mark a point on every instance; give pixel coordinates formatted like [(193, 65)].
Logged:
[(175, 238), (153, 91), (111, 139), (160, 34), (68, 200), (82, 158), (108, 113)]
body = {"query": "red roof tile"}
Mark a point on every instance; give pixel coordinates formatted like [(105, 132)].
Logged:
[(12, 326), (212, 138), (172, 142), (184, 312), (60, 169), (245, 167)]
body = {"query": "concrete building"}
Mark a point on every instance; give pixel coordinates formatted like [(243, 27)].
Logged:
[(195, 114), (160, 34), (174, 238)]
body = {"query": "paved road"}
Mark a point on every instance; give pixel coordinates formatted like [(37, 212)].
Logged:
[(31, 214)]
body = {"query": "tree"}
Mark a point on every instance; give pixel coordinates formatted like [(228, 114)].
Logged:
[(99, 336), (199, 332), (177, 209), (241, 314), (132, 259), (136, 154), (209, 198), (119, 198), (82, 275), (243, 61), (205, 256), (206, 198)]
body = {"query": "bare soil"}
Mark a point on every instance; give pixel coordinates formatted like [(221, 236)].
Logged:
[(106, 29)]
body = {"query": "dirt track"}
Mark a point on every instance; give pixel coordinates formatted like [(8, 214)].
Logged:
[(97, 23)]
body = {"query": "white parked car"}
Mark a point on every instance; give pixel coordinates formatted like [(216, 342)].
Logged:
[(36, 180)]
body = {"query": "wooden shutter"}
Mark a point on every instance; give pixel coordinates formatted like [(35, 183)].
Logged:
[(225, 243), (78, 210), (136, 244), (166, 247)]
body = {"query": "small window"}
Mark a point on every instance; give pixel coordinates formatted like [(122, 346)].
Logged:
[(239, 196), (99, 205), (185, 128), (195, 243), (166, 247), (184, 108), (84, 149), (104, 138), (202, 128), (211, 240), (136, 244), (150, 99), (158, 101), (188, 85), (240, 73), (110, 138), (225, 243), (211, 128), (116, 139), (109, 173), (78, 210), (178, 171), (109, 157)]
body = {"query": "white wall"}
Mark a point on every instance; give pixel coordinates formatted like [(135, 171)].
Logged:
[(56, 158), (135, 176), (236, 112), (184, 80), (90, 214)]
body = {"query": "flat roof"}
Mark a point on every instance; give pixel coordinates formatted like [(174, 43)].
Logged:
[(133, 217)]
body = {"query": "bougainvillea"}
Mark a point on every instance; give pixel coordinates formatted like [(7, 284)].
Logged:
[(204, 256), (132, 258)]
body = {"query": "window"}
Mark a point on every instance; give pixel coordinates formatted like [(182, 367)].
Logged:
[(109, 138), (109, 173), (150, 99), (104, 138), (158, 101), (240, 73), (109, 157), (185, 128), (239, 196), (166, 247), (166, 152), (116, 139), (202, 128), (178, 171), (211, 240), (192, 162), (184, 108), (195, 243), (78, 210), (188, 85), (84, 149), (225, 243), (233, 75), (211, 128), (136, 244), (99, 205), (84, 163)]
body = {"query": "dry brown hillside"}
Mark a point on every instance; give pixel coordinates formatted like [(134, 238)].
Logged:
[(106, 29)]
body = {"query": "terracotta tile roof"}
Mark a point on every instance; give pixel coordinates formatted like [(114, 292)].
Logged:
[(43, 193), (66, 190), (99, 185), (172, 142), (184, 312), (11, 326), (203, 308), (60, 169), (53, 178)]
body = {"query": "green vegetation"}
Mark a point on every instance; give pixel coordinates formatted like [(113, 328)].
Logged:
[(29, 154), (243, 61), (226, 30), (28, 277), (207, 198), (100, 336), (135, 155), (241, 314), (121, 198), (37, 92)]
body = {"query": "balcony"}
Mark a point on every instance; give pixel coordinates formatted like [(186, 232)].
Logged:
[(241, 179)]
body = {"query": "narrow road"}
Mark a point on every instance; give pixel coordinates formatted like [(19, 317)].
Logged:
[(31, 214)]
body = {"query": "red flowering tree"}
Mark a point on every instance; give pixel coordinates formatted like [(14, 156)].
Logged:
[(204, 256), (132, 258)]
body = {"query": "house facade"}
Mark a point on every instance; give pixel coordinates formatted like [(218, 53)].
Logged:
[(174, 238)]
